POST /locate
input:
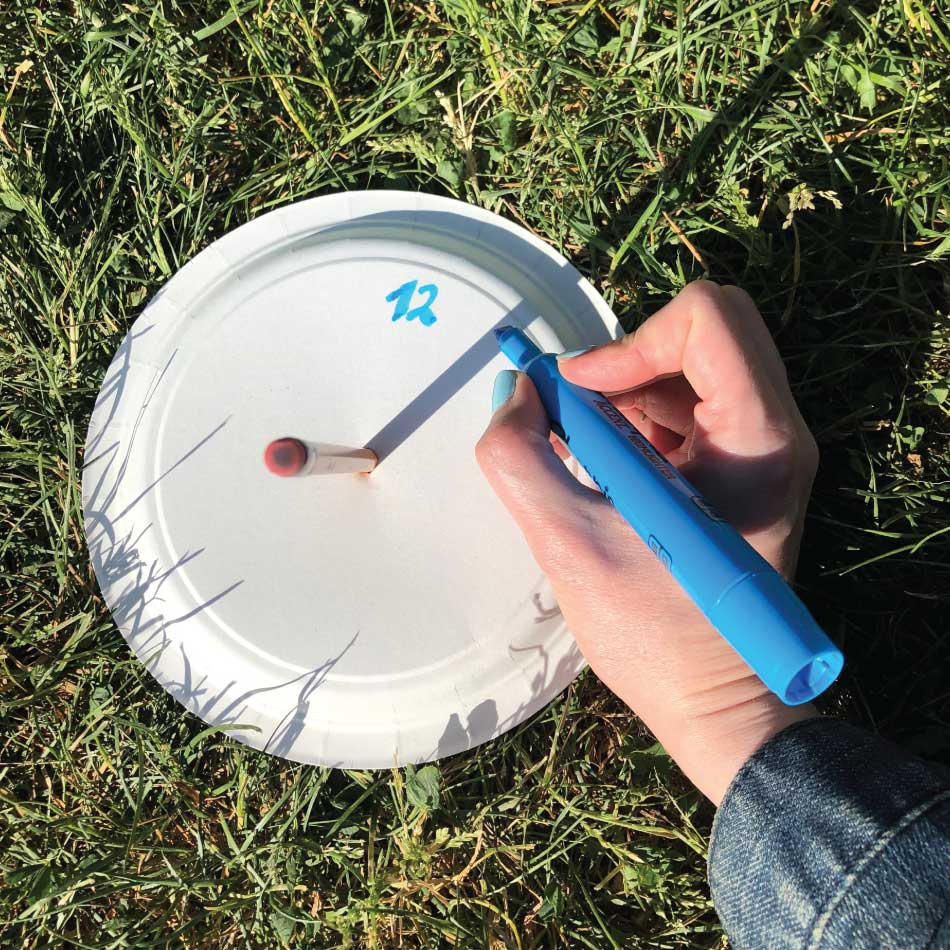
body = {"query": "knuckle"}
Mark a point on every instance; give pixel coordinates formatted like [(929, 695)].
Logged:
[(704, 291), (734, 291), (801, 456)]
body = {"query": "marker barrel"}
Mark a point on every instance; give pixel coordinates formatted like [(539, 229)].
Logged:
[(731, 583)]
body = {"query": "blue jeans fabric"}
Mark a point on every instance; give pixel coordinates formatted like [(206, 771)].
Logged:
[(831, 838)]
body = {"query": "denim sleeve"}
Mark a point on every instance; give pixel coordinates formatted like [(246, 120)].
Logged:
[(831, 838)]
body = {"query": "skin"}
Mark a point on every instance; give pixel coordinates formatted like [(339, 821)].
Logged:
[(704, 382)]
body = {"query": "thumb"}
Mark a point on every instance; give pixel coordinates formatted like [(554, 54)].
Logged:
[(517, 458)]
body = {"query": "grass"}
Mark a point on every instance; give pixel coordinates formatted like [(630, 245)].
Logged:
[(798, 150)]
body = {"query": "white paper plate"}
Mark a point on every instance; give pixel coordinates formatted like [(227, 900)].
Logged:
[(349, 620)]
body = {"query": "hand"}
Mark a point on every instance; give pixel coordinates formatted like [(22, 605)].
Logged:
[(703, 381)]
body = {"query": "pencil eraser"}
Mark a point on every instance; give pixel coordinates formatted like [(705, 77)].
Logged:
[(285, 457)]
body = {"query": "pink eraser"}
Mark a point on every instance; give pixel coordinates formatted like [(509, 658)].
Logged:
[(285, 457)]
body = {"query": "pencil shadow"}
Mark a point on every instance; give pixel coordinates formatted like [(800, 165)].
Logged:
[(511, 258), (443, 387)]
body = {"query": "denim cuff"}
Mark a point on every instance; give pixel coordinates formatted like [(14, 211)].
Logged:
[(830, 837)]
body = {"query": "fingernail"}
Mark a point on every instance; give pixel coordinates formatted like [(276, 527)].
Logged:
[(505, 383), (570, 353)]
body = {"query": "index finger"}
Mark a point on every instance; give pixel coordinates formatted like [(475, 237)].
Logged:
[(724, 351)]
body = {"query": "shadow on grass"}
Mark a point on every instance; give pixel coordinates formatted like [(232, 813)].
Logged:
[(854, 310), (854, 307)]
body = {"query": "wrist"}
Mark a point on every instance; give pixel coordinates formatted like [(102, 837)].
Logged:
[(714, 745)]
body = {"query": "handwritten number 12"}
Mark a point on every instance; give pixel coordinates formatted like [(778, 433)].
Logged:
[(403, 298)]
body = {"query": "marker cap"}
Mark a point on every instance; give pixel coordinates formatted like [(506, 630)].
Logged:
[(515, 344), (798, 668)]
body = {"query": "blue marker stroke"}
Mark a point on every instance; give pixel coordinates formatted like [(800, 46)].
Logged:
[(403, 298)]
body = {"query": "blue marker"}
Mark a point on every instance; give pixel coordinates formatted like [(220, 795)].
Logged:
[(738, 590)]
